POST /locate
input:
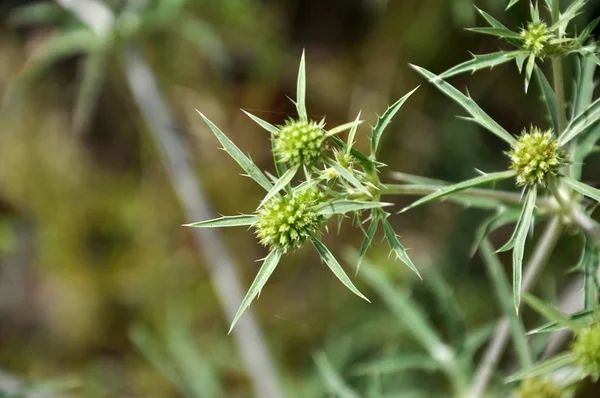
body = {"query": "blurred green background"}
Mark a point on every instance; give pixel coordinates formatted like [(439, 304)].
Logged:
[(101, 289)]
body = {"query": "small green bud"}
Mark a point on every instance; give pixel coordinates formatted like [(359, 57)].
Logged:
[(287, 221), (300, 143), (344, 159), (537, 39), (536, 157), (586, 348), (537, 387)]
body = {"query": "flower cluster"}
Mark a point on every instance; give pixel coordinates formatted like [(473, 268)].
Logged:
[(300, 142), (537, 39), (586, 348), (537, 387), (536, 157), (286, 221)]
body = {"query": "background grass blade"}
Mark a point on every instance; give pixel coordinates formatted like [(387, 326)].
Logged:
[(333, 381), (581, 122), (548, 96), (544, 368), (237, 155), (505, 298), (269, 265)]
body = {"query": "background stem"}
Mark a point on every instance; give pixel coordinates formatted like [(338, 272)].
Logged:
[(494, 350)]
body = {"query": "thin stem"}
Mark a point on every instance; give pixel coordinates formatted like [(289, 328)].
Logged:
[(493, 353)]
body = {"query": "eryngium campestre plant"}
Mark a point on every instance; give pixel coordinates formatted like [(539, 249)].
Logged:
[(536, 157)]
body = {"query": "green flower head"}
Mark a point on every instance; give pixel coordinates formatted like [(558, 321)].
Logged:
[(287, 221), (536, 157), (586, 348), (537, 387), (537, 38), (300, 142)]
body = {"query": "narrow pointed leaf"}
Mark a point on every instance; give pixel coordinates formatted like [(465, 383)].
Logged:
[(239, 156), (301, 90), (571, 12), (94, 70), (481, 62), (344, 127), (547, 310), (333, 380), (544, 368), (581, 122), (548, 96), (281, 183), (499, 32), (335, 267), (264, 124), (511, 242), (529, 70), (344, 206), (445, 191), (511, 3), (351, 135), (578, 320), (479, 116), (366, 243), (585, 86), (505, 298), (415, 179), (590, 262), (585, 33), (583, 189), (397, 364), (397, 247), (384, 120), (269, 265), (227, 221), (520, 238), (491, 224)]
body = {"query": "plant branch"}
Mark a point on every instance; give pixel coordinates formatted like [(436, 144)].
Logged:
[(494, 350)]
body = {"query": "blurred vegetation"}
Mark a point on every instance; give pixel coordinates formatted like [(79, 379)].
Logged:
[(99, 284)]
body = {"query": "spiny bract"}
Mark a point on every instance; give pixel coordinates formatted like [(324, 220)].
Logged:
[(537, 387), (586, 348), (299, 142), (287, 221), (536, 157), (536, 38)]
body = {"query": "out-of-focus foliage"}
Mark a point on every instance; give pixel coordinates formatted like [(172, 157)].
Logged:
[(99, 280)]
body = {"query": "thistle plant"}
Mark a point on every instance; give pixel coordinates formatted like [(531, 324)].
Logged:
[(294, 212), (544, 163)]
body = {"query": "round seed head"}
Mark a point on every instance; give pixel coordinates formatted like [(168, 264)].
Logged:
[(537, 387), (287, 221), (536, 157), (299, 143), (536, 38), (586, 348)]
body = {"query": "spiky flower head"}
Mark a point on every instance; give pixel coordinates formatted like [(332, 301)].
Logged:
[(536, 157), (299, 142), (537, 387), (287, 221), (537, 38), (586, 348)]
